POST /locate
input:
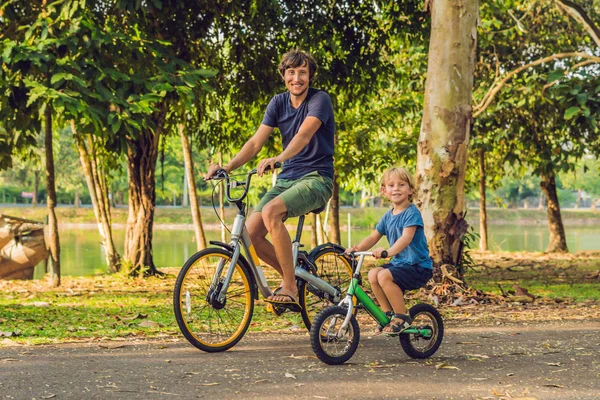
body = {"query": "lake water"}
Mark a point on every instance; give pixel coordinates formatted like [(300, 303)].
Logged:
[(82, 254)]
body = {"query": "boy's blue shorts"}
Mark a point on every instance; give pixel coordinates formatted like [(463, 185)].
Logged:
[(409, 277)]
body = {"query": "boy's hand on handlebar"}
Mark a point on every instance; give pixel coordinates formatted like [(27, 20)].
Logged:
[(379, 252), (268, 164)]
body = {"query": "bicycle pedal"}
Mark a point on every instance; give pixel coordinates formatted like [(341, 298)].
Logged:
[(275, 310)]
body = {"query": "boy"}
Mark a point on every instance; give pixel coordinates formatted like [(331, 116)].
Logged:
[(411, 266)]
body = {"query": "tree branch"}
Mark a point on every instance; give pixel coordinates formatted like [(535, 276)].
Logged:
[(489, 96), (579, 14)]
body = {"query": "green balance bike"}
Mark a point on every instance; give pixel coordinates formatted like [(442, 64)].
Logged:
[(334, 334)]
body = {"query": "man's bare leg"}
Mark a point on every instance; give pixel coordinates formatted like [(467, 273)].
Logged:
[(264, 248), (272, 215)]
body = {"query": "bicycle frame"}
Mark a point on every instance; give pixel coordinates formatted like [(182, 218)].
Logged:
[(362, 298), (240, 239)]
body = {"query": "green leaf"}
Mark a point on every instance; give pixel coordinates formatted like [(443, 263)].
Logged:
[(581, 99), (571, 112), (555, 75), (59, 77)]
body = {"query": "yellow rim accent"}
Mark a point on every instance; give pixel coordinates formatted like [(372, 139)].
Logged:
[(254, 255), (248, 298)]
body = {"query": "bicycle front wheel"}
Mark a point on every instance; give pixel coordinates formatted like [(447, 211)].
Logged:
[(207, 323), (335, 269)]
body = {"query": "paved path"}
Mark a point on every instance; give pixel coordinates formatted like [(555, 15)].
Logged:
[(558, 361)]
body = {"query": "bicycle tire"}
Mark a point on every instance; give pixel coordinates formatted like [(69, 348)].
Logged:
[(323, 336), (332, 267), (210, 326), (417, 346)]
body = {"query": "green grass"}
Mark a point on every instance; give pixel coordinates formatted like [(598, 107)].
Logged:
[(103, 307)]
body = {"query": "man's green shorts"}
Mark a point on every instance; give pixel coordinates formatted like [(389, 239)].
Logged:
[(300, 196)]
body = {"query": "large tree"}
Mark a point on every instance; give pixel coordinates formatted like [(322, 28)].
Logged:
[(446, 126)]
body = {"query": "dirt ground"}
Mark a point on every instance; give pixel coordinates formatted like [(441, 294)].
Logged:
[(497, 359)]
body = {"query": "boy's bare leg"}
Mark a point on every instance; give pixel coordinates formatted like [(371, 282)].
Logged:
[(392, 291), (264, 249), (378, 290), (273, 214)]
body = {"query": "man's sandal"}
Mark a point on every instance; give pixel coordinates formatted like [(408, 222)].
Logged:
[(398, 324), (291, 305)]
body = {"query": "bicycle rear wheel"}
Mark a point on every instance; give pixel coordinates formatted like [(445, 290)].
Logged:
[(335, 269), (205, 322)]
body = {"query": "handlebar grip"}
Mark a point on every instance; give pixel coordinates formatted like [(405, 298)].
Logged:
[(277, 165), (384, 254)]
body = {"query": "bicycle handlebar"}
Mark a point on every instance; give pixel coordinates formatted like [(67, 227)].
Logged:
[(222, 174), (384, 254)]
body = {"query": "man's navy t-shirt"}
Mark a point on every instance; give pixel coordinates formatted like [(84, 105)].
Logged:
[(318, 154)]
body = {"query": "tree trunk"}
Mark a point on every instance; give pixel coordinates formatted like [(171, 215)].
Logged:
[(222, 204), (36, 186), (446, 127), (483, 228), (142, 154), (77, 201), (320, 236), (184, 200), (53, 238), (314, 242), (364, 197), (97, 189), (578, 201), (191, 183), (336, 237), (558, 241)]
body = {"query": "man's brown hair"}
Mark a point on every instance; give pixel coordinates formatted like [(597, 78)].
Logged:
[(298, 58)]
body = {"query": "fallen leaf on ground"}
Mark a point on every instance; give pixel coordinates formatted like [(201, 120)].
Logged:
[(9, 343), (554, 385), (233, 370), (288, 375), (149, 324), (209, 384), (111, 345), (445, 366)]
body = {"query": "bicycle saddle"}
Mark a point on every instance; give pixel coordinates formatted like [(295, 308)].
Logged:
[(318, 210)]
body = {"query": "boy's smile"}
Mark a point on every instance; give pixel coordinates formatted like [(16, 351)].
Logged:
[(397, 191)]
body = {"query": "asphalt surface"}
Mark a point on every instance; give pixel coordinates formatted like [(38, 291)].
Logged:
[(546, 361)]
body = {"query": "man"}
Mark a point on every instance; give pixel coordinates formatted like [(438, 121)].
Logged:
[(304, 116)]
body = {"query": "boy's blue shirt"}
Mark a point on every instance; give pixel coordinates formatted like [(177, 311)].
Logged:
[(392, 226)]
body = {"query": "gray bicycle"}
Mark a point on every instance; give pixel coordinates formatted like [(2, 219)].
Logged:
[(215, 290)]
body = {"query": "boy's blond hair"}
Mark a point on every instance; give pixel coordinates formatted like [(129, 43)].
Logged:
[(400, 173)]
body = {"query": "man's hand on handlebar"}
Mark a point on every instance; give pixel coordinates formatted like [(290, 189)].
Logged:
[(212, 170), (268, 164), (351, 249)]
